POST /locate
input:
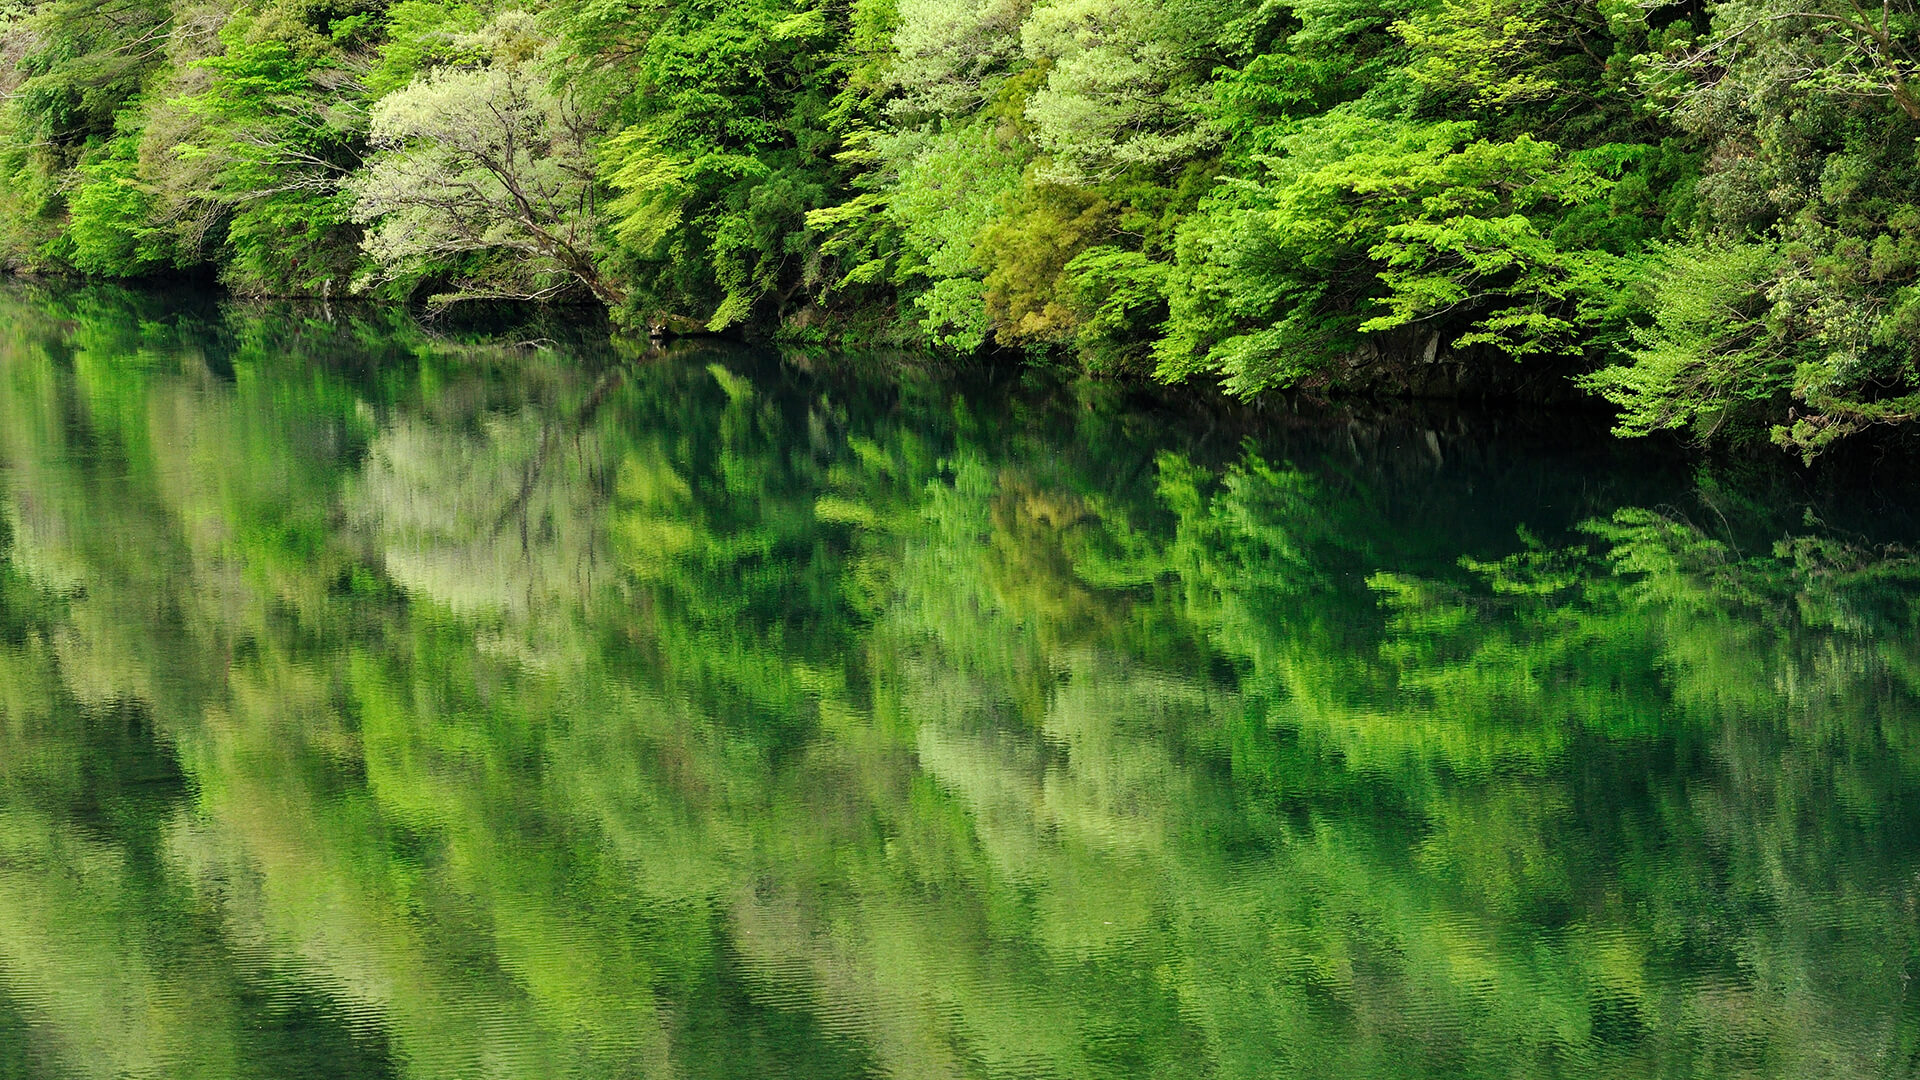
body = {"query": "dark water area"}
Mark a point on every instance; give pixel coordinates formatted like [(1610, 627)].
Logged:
[(379, 704)]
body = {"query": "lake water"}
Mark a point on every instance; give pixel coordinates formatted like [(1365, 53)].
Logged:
[(373, 705)]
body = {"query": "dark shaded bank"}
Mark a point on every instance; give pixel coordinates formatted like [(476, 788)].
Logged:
[(1434, 406)]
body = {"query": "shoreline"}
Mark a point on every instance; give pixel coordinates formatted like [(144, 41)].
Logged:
[(586, 326)]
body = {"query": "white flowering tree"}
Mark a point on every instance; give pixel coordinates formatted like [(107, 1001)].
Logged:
[(488, 168)]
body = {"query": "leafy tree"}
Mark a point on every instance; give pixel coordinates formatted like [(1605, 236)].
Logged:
[(1363, 226), (487, 171), (281, 126), (729, 145), (111, 218), (1808, 230), (1122, 89)]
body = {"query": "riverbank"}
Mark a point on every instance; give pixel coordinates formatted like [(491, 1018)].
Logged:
[(1267, 197), (1399, 431)]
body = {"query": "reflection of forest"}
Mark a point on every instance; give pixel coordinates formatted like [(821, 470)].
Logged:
[(487, 714)]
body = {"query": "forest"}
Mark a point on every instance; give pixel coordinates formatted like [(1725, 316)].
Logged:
[(1705, 213)]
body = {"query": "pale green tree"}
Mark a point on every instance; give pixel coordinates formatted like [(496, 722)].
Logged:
[(489, 169), (1115, 94), (949, 56)]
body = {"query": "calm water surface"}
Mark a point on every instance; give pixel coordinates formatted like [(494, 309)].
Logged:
[(374, 706)]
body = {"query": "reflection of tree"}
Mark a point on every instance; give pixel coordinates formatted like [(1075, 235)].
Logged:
[(495, 515), (712, 719)]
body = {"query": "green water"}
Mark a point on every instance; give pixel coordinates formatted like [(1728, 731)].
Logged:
[(376, 706)]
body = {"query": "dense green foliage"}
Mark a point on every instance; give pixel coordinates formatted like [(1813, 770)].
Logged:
[(1707, 212), (533, 714)]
